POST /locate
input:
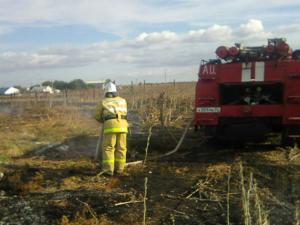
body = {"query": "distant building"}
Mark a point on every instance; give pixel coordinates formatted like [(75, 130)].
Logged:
[(50, 90), (44, 89), (9, 91), (96, 83)]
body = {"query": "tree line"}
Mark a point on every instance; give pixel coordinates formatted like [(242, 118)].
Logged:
[(72, 85)]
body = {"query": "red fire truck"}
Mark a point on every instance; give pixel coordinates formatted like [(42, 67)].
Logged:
[(250, 92)]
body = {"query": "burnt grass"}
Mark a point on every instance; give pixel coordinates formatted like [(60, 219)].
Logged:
[(61, 186)]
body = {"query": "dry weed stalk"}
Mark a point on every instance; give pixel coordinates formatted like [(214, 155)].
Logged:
[(168, 108), (201, 188), (147, 145), (90, 210), (172, 218), (228, 196), (260, 212), (297, 214), (145, 200), (245, 200), (294, 152), (128, 202), (149, 120), (253, 208)]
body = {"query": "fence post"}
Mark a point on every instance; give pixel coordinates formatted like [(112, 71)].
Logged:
[(36, 97), (66, 97), (161, 102), (94, 94), (132, 94)]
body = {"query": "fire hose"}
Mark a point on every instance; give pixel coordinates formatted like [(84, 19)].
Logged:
[(179, 143), (99, 144)]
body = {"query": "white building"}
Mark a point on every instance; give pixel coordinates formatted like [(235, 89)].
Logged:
[(50, 90), (12, 91), (96, 83), (44, 89)]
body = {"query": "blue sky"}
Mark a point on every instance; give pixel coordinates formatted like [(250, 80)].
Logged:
[(130, 39)]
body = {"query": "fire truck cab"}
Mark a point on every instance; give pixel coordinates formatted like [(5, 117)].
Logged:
[(250, 92)]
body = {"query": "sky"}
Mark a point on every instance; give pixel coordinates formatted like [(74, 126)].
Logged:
[(131, 40)]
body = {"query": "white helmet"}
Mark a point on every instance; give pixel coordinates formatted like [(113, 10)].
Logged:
[(110, 87)]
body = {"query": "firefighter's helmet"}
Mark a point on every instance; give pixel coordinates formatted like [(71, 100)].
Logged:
[(110, 87)]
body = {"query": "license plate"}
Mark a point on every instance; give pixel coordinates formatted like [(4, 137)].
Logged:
[(209, 109)]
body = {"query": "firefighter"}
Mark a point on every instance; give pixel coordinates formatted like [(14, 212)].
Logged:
[(260, 98), (247, 96), (112, 112), (257, 96)]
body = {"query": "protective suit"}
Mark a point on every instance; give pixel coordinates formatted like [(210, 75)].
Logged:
[(112, 112)]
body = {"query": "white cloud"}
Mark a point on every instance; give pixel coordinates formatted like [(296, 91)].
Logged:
[(288, 29), (156, 37), (253, 26), (17, 61), (252, 31), (120, 17), (203, 26), (156, 49), (145, 56), (211, 34)]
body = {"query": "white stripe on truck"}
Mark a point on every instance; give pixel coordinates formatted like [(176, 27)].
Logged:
[(259, 71), (246, 72)]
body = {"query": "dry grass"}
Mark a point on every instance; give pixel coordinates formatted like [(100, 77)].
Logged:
[(34, 184), (164, 107), (38, 126), (42, 123), (155, 105), (83, 218)]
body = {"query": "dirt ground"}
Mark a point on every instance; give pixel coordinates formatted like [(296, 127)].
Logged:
[(205, 182), (51, 177)]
